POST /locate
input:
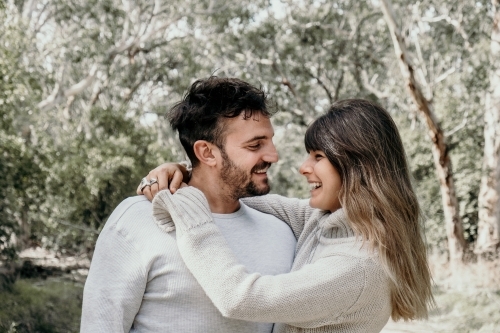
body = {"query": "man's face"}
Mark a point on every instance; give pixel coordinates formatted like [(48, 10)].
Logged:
[(247, 155)]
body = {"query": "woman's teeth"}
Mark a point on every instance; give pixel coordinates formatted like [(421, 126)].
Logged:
[(314, 186)]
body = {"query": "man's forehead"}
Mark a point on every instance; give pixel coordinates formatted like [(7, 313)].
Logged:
[(243, 129), (256, 120)]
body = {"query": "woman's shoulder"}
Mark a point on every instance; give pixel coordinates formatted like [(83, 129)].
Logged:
[(346, 247), (358, 264), (354, 267)]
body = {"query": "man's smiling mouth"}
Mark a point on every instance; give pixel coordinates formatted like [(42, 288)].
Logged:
[(261, 171), (261, 168)]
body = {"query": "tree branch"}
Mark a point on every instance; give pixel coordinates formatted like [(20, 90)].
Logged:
[(440, 150), (369, 86), (80, 86), (291, 88), (339, 85), (455, 23), (322, 85)]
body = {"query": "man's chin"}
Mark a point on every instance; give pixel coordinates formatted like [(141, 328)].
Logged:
[(254, 190), (262, 192)]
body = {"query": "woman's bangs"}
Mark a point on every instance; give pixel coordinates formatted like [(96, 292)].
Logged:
[(312, 139)]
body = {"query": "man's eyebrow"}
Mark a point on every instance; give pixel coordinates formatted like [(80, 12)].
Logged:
[(255, 138)]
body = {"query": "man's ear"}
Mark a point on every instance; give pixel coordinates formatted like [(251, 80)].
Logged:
[(206, 152)]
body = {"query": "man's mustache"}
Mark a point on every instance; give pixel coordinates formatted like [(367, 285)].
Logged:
[(261, 166)]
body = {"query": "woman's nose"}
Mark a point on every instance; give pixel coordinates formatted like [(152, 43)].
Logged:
[(306, 167)]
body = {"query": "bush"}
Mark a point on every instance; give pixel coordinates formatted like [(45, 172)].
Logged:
[(41, 306)]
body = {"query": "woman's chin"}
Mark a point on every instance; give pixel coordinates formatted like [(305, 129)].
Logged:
[(331, 207), (314, 204)]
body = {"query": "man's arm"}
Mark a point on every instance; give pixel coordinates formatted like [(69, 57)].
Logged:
[(115, 285)]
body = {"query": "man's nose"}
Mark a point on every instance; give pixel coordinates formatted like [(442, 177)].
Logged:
[(271, 155)]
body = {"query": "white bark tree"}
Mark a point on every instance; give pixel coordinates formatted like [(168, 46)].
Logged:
[(488, 238), (440, 151)]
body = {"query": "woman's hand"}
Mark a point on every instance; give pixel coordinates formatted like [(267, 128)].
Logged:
[(167, 175)]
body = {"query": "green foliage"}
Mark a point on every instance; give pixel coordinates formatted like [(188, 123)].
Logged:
[(22, 188), (70, 158), (454, 61), (41, 307), (90, 175), (21, 184), (60, 178), (67, 160)]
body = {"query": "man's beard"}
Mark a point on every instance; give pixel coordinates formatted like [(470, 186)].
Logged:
[(239, 181)]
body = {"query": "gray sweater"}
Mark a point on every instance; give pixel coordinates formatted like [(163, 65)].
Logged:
[(336, 284), (139, 283)]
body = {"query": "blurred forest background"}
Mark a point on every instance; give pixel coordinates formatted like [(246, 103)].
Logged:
[(84, 85)]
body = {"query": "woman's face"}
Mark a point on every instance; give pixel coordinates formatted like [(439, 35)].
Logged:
[(324, 181)]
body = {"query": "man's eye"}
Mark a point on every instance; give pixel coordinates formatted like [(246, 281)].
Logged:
[(256, 146)]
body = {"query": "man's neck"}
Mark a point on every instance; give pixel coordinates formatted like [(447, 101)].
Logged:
[(218, 200)]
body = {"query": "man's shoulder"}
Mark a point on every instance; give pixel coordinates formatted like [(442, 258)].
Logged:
[(135, 202), (130, 212)]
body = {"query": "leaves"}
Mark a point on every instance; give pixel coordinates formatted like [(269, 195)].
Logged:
[(106, 72)]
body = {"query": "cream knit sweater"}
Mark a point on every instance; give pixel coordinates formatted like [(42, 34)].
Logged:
[(335, 285)]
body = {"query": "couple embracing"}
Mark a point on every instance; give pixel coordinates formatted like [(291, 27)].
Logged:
[(220, 255)]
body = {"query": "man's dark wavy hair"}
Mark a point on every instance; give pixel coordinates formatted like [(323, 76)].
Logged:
[(200, 114)]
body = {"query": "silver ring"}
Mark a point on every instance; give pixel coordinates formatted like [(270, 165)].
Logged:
[(153, 181), (144, 183)]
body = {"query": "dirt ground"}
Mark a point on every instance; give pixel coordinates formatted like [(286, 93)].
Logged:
[(467, 301)]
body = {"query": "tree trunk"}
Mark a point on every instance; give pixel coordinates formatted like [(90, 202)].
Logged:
[(442, 161), (488, 237), (21, 240)]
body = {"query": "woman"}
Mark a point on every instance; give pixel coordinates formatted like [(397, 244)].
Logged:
[(360, 255)]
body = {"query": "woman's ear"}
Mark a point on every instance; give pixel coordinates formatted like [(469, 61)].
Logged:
[(206, 152)]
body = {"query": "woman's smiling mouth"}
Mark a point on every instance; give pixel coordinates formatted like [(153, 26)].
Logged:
[(315, 185)]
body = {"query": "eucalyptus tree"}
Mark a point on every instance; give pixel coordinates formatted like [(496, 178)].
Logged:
[(110, 67), (22, 187), (440, 48), (440, 151), (306, 55), (309, 54), (488, 240), (314, 53), (458, 34), (101, 74)]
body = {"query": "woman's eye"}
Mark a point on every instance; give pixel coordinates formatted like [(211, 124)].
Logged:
[(318, 156)]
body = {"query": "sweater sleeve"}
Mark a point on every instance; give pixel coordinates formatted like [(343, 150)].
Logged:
[(292, 211), (115, 285), (316, 295)]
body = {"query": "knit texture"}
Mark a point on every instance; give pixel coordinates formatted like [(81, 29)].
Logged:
[(139, 283), (336, 285)]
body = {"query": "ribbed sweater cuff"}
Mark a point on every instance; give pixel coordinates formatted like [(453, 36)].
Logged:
[(161, 214), (186, 209)]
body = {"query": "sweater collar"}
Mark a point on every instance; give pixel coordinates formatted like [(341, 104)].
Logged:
[(337, 224)]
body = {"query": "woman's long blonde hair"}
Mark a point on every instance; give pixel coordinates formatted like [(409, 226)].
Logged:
[(362, 142)]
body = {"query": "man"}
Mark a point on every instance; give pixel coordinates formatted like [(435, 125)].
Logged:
[(137, 280)]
